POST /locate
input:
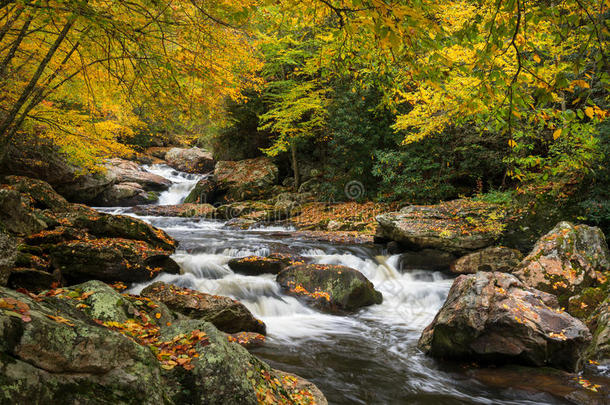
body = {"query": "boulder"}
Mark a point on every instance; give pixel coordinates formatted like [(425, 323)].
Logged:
[(33, 280), (125, 171), (89, 344), (249, 340), (426, 259), (566, 260), (599, 324), (246, 179), (496, 258), (494, 317), (8, 253), (178, 210), (204, 192), (330, 288), (110, 259), (192, 160), (225, 313), (459, 226), (16, 213), (51, 352), (125, 195), (257, 265)]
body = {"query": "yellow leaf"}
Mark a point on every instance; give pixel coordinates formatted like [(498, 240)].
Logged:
[(536, 58), (557, 133), (512, 143), (589, 112)]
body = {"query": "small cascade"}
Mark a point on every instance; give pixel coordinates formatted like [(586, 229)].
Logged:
[(182, 183)]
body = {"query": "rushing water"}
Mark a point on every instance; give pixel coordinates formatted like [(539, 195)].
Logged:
[(366, 358), (182, 183)]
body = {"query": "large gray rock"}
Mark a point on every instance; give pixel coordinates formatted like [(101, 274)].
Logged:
[(126, 195), (192, 160), (330, 288), (204, 192), (566, 260), (125, 171), (494, 317), (459, 226), (496, 258)]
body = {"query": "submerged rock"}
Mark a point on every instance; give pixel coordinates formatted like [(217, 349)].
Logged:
[(426, 259), (256, 265), (496, 258), (458, 226), (225, 313), (192, 160), (494, 317), (566, 260), (330, 288)]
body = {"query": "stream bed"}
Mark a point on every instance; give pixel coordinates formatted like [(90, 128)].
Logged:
[(370, 357)]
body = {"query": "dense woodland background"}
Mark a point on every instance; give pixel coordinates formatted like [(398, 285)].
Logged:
[(421, 101)]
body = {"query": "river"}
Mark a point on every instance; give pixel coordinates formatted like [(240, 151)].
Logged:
[(370, 357)]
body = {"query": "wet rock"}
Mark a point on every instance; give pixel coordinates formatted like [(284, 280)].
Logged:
[(555, 383), (246, 179), (204, 192), (458, 226), (426, 259), (599, 324), (297, 384), (566, 260), (240, 223), (178, 210), (225, 313), (192, 160), (494, 317), (330, 288), (496, 258), (33, 280), (257, 265), (248, 340), (110, 259), (158, 152)]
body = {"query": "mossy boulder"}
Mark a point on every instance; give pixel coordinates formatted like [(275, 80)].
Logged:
[(51, 353), (226, 314), (599, 323), (495, 318), (204, 192), (330, 288), (89, 344), (459, 226), (256, 265), (496, 258), (567, 260), (246, 179)]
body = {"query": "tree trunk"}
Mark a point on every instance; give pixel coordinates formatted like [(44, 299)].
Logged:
[(12, 114), (295, 165)]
